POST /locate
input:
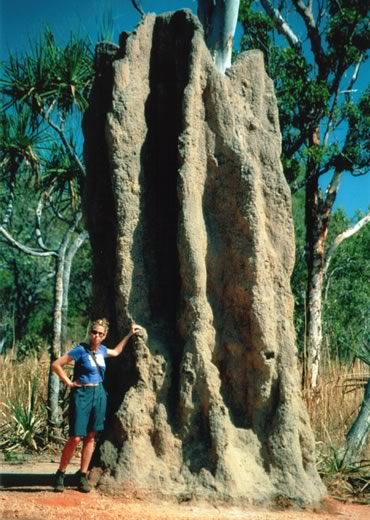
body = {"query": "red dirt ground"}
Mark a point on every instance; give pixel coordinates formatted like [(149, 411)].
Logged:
[(45, 505), (41, 503)]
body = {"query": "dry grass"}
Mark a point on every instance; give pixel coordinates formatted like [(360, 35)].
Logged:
[(334, 405), (16, 376), (23, 411)]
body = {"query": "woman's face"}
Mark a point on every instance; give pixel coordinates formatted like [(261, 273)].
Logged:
[(97, 335)]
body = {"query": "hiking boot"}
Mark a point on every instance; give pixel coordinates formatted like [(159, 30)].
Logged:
[(83, 483), (59, 481)]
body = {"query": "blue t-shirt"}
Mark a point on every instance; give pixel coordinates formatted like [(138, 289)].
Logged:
[(85, 369)]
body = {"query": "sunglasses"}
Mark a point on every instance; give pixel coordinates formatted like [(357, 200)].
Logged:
[(97, 333)]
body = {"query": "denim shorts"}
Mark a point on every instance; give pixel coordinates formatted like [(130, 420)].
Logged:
[(87, 407)]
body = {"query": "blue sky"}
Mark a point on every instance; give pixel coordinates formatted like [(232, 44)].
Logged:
[(21, 21)]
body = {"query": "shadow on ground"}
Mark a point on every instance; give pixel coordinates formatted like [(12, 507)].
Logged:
[(32, 480)]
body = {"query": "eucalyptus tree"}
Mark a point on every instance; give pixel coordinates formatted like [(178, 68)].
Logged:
[(219, 19), (45, 91), (316, 53)]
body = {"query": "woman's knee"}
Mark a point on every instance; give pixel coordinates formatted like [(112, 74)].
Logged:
[(74, 440), (90, 437)]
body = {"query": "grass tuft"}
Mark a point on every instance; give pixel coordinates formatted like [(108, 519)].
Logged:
[(23, 412)]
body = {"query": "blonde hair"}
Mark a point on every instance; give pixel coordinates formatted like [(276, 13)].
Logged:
[(102, 322)]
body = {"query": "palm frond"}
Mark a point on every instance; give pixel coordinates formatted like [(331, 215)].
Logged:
[(63, 175), (22, 142), (48, 73)]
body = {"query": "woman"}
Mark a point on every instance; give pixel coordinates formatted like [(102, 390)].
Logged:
[(88, 398)]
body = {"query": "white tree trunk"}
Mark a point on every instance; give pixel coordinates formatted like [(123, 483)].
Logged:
[(358, 433), (75, 246), (318, 214), (55, 416), (62, 277), (219, 19), (314, 322)]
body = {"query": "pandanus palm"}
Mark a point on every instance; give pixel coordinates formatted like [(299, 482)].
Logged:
[(45, 92)]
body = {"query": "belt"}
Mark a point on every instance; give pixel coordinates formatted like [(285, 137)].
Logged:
[(90, 384)]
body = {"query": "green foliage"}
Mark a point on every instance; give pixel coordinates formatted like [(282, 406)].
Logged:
[(26, 282), (23, 422), (348, 30), (49, 77), (346, 480), (80, 294), (26, 289), (25, 293), (62, 175), (309, 83), (356, 151), (14, 458), (30, 344), (20, 142), (257, 28), (44, 92), (329, 461), (347, 293), (106, 30)]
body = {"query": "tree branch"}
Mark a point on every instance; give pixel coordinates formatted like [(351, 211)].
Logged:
[(359, 172), (39, 210), (57, 213), (343, 236), (9, 206), (219, 19), (68, 235), (297, 143), (300, 184), (347, 92), (21, 247), (313, 34), (281, 25), (64, 140), (76, 244), (331, 191), (138, 7), (68, 259), (329, 126), (352, 81)]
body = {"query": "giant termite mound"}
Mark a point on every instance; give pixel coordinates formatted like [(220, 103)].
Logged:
[(190, 221)]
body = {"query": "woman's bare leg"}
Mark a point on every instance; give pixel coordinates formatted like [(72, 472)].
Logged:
[(68, 452), (87, 451)]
